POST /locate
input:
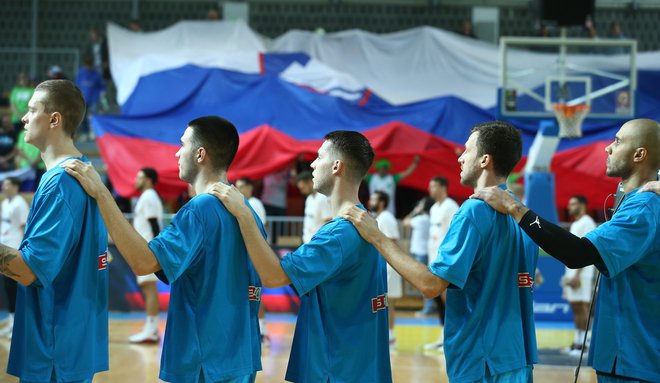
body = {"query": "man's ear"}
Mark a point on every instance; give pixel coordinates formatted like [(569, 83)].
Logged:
[(640, 154), (337, 167), (55, 119), (201, 154), (485, 161)]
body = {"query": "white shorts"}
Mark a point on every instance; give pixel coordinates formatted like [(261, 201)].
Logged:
[(146, 279), (582, 293), (394, 283)]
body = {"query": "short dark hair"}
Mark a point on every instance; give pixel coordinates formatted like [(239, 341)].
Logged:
[(503, 142), (383, 197), (304, 176), (355, 149), (14, 181), (581, 199), (442, 181), (218, 137), (150, 173), (64, 97), (246, 180)]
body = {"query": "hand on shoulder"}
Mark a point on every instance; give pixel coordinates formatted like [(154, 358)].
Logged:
[(653, 186)]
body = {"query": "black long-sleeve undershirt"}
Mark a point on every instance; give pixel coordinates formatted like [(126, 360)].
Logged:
[(569, 249), (155, 227)]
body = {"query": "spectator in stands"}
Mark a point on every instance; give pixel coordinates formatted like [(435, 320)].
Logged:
[(466, 29), (18, 100), (543, 32), (212, 14), (98, 49), (616, 34), (386, 182), (92, 87), (135, 26), (615, 31), (55, 73), (7, 145), (590, 29), (591, 32)]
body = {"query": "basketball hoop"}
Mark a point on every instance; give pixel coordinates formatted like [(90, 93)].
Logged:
[(570, 119)]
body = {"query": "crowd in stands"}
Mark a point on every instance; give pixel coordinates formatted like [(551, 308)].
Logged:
[(18, 158)]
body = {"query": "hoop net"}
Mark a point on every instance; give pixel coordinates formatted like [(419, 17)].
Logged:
[(570, 118)]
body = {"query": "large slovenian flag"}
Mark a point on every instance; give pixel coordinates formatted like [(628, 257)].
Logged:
[(412, 92)]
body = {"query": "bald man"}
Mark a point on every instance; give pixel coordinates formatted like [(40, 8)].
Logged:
[(625, 345)]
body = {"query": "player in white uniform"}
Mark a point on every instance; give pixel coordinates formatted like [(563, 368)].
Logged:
[(388, 224), (578, 283), (148, 221), (317, 206), (418, 222), (14, 216), (440, 217)]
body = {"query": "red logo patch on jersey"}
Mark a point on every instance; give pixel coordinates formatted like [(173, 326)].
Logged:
[(379, 303), (254, 293), (103, 261), (525, 280)]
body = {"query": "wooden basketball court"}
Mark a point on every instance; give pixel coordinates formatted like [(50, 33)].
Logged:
[(410, 364)]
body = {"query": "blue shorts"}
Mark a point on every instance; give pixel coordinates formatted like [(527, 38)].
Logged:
[(521, 375), (242, 379)]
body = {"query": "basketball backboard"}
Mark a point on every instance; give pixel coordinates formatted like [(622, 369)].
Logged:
[(538, 72)]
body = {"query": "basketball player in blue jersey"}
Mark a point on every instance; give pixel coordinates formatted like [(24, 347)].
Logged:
[(341, 332), (61, 324), (625, 345), (485, 262), (212, 332)]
